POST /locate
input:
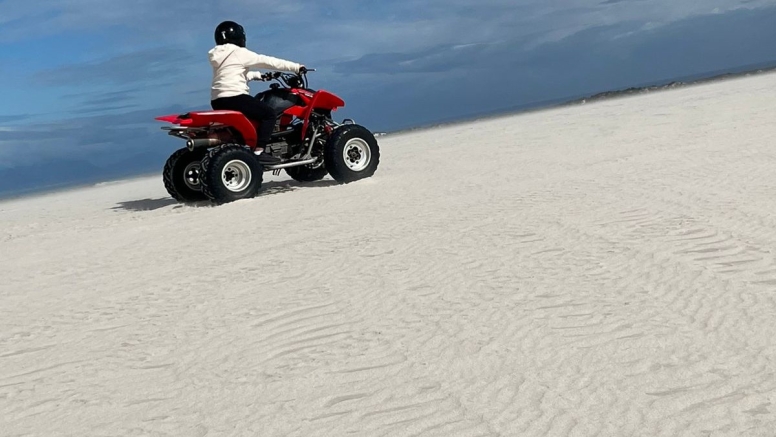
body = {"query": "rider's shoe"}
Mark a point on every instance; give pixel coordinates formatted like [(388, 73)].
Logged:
[(266, 158)]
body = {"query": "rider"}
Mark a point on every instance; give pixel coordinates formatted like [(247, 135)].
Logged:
[(231, 62)]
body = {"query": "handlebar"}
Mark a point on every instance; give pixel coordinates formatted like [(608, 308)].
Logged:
[(292, 80)]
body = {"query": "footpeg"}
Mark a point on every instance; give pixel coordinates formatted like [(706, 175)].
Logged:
[(291, 164)]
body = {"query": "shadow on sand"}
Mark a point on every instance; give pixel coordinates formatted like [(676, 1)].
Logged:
[(267, 189), (279, 187), (145, 204)]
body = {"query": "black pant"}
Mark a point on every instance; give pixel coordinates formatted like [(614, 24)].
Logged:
[(253, 109)]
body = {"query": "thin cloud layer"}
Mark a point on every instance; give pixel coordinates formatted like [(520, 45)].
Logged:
[(370, 25)]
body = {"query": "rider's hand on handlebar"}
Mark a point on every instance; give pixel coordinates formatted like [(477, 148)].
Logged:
[(254, 75), (267, 77)]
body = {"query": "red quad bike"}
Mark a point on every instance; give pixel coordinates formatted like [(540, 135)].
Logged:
[(218, 162)]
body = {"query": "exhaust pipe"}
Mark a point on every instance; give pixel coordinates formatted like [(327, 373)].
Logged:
[(203, 142)]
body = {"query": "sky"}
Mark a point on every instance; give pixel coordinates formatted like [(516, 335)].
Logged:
[(83, 79)]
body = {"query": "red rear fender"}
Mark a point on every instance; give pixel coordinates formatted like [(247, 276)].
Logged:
[(233, 119), (174, 118)]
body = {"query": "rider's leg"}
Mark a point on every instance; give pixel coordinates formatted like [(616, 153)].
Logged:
[(256, 111)]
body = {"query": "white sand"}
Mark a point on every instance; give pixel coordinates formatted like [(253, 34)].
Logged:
[(607, 269)]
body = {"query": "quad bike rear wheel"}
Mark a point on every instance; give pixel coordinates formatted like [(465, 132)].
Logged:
[(352, 153), (231, 172), (181, 175)]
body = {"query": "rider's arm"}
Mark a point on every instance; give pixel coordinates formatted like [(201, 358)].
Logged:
[(255, 60)]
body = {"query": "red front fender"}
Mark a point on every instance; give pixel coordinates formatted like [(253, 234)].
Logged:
[(320, 100), (326, 100)]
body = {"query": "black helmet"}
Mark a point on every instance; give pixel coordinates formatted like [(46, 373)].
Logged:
[(230, 32)]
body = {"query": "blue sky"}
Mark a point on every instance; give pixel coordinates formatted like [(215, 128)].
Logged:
[(83, 79)]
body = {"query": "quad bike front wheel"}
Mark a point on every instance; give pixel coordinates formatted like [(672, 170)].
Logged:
[(352, 153), (181, 175), (229, 173)]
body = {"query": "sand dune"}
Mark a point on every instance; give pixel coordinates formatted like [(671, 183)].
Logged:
[(600, 270)]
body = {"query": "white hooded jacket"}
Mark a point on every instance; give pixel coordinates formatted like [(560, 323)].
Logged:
[(231, 64)]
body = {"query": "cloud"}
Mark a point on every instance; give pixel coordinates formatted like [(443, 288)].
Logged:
[(102, 139), (129, 68), (513, 45), (351, 26), (611, 2), (437, 85), (444, 58), (110, 97), (148, 19), (12, 118), (101, 108)]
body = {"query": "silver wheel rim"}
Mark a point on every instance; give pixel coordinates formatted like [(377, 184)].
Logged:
[(236, 175), (357, 154), (191, 175)]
